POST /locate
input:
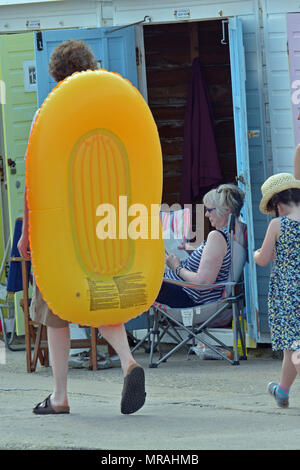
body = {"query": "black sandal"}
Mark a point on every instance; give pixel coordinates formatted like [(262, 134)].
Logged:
[(133, 394), (45, 408)]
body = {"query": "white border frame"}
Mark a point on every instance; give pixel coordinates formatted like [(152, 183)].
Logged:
[(27, 64)]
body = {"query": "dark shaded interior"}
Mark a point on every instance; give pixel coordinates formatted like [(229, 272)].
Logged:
[(170, 50)]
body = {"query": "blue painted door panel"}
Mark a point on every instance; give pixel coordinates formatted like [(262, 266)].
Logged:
[(238, 77), (115, 51)]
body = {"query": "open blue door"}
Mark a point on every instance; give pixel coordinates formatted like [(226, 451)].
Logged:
[(238, 77), (113, 49)]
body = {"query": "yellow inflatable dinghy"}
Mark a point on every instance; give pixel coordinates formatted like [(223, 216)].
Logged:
[(94, 182)]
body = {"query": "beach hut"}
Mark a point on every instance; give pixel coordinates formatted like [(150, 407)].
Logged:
[(248, 54)]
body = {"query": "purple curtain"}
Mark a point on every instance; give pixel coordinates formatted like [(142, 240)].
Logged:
[(200, 170)]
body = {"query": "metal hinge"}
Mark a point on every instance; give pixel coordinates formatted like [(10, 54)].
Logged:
[(2, 176), (240, 179), (137, 57), (12, 165)]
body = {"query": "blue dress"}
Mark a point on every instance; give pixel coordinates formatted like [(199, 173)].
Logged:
[(284, 288)]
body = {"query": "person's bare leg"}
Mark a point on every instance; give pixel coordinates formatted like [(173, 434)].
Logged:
[(288, 371), (116, 336), (133, 393), (59, 347), (295, 358)]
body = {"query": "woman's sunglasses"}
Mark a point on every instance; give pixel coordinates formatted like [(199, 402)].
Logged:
[(209, 210)]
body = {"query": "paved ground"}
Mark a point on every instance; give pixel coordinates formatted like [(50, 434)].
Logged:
[(191, 404)]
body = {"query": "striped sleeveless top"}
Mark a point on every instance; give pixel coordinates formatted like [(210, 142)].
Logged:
[(192, 264)]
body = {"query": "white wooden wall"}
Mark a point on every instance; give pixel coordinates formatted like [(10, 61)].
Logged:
[(279, 105), (55, 14), (163, 10)]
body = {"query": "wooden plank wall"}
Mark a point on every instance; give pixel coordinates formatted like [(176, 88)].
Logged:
[(168, 68), (170, 50), (216, 62)]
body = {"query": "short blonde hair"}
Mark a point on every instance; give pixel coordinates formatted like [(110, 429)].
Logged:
[(226, 197)]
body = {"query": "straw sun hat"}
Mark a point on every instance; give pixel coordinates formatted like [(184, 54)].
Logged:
[(275, 184)]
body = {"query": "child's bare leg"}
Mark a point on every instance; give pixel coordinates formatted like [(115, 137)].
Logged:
[(288, 374), (288, 371), (296, 360)]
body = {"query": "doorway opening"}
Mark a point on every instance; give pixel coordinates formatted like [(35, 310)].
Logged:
[(169, 51)]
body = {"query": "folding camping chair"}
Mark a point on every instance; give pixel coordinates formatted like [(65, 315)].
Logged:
[(142, 322), (35, 332), (197, 321)]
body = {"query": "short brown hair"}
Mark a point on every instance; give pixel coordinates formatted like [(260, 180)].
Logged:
[(70, 57), (288, 197)]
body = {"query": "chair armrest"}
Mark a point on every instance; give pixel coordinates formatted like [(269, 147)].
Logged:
[(193, 285)]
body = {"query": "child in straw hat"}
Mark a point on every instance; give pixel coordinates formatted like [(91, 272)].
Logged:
[(281, 195)]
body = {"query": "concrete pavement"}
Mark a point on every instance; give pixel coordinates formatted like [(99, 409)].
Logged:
[(191, 405)]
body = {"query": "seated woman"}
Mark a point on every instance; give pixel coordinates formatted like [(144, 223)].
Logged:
[(210, 262)]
